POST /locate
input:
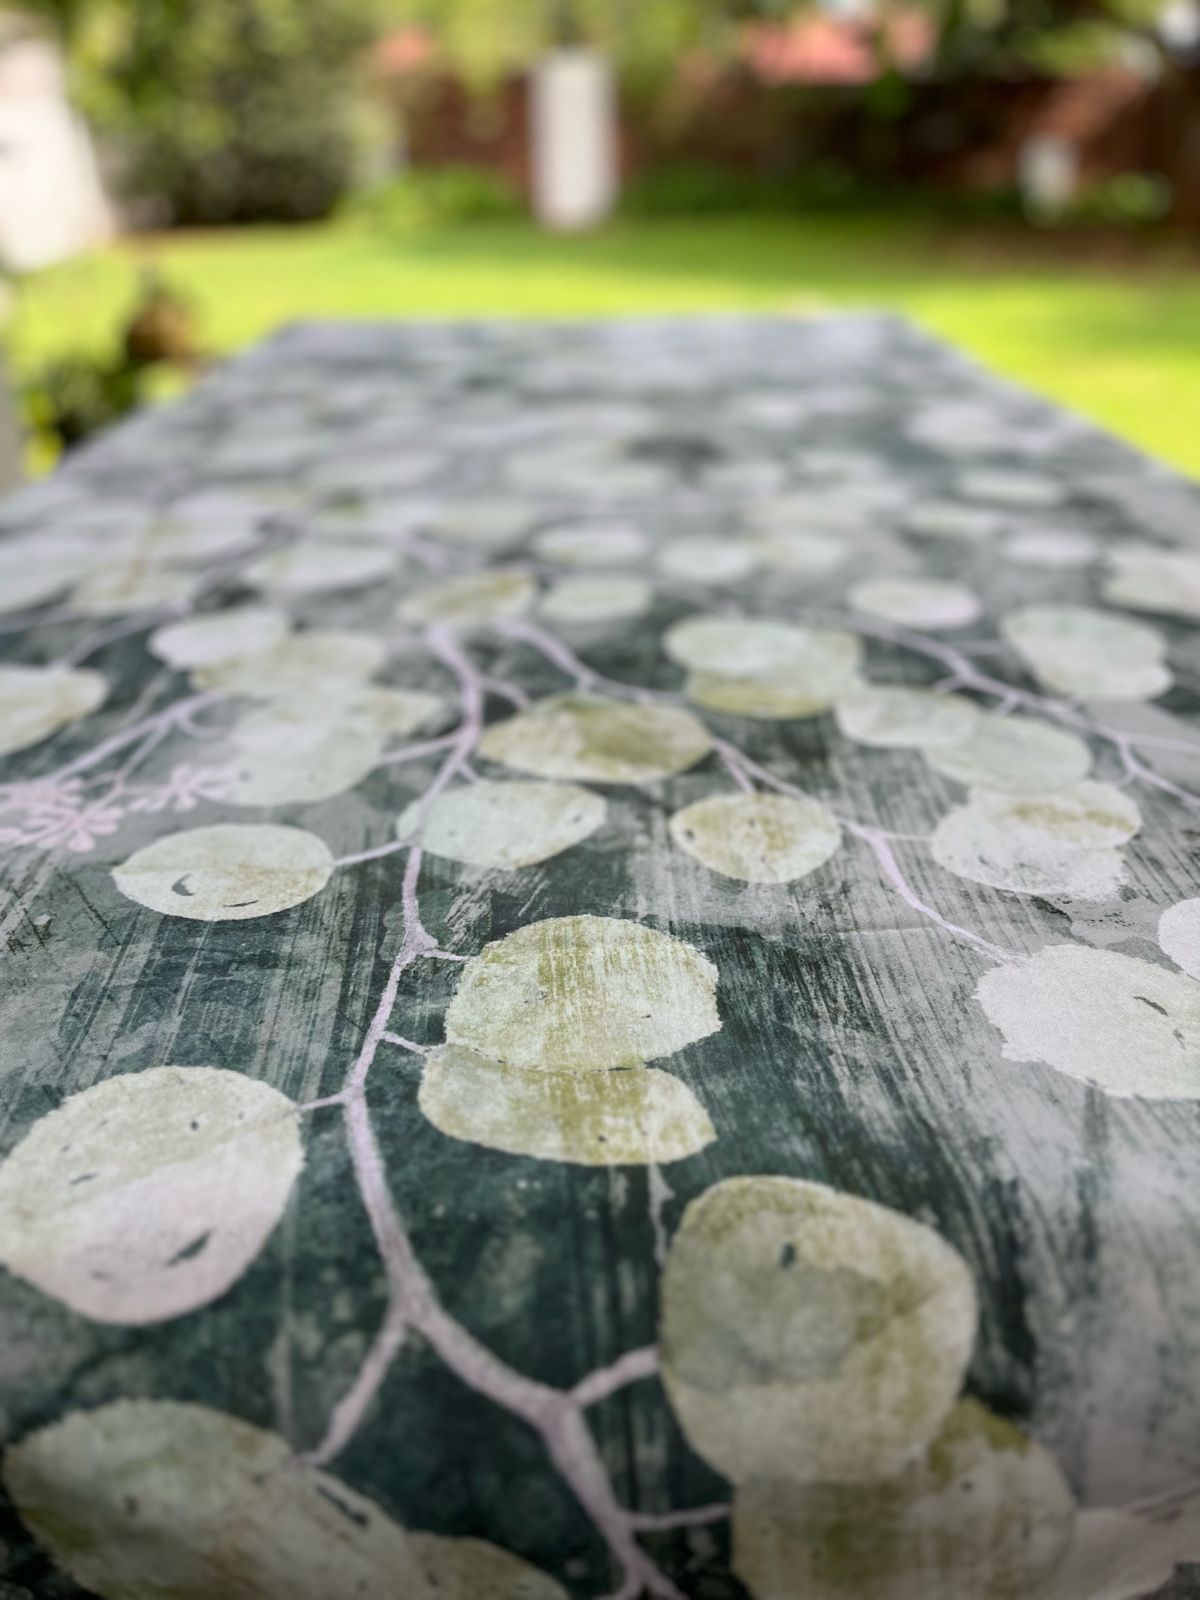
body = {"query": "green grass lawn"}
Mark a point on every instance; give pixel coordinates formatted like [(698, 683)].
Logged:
[(1110, 330)]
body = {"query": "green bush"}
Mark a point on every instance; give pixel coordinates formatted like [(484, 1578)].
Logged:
[(1132, 199), (227, 111), (434, 196), (688, 189)]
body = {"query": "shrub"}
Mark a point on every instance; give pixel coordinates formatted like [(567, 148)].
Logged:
[(435, 196), (228, 110)]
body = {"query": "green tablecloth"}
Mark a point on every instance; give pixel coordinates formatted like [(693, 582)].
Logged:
[(599, 981)]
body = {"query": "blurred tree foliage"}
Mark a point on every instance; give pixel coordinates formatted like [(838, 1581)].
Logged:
[(224, 110), (486, 40)]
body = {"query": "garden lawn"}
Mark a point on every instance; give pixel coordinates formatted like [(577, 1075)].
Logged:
[(1108, 329)]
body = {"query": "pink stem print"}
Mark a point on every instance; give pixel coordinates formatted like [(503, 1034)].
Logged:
[(556, 1415)]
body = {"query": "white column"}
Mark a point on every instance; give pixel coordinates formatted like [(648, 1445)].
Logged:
[(574, 129)]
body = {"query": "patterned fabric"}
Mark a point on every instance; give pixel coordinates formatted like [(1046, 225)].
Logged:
[(600, 996)]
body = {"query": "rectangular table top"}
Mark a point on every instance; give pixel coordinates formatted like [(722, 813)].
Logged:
[(598, 981)]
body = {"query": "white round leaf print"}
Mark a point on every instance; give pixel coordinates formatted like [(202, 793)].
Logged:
[(889, 718), (763, 669), (916, 602), (1022, 859), (138, 587), (473, 601), (302, 665), (1087, 816), (1089, 654), (1179, 935), (145, 1499), (808, 555), (1055, 548), (37, 701), (707, 560), (1124, 1555), (219, 636), (150, 1194), (592, 544), (36, 567), (504, 825), (758, 838), (1149, 577), (1017, 754), (952, 519), (592, 740), (593, 1119), (227, 873), (471, 1569), (312, 566), (483, 524), (583, 994), (280, 761), (809, 1336), (596, 599), (982, 1514), (1024, 490), (1125, 1026), (736, 647)]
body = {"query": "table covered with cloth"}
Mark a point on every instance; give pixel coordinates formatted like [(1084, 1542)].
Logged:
[(600, 981)]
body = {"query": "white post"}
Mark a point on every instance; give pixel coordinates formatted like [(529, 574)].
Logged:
[(574, 129)]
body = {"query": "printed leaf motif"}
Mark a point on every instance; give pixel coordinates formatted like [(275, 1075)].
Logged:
[(311, 566), (1148, 577), (810, 1336), (491, 524), (1122, 1025), (150, 1194), (1116, 1555), (472, 601), (591, 544), (707, 560), (282, 762), (917, 602), (302, 665), (471, 1569), (1016, 754), (952, 519), (583, 994), (1179, 935), (219, 636), (803, 554), (1024, 490), (138, 587), (35, 568), (593, 1119), (228, 873), (1055, 548), (144, 1499), (890, 718), (1058, 843), (983, 1513), (763, 669), (504, 825), (36, 702), (757, 838), (593, 740), (1089, 654), (596, 599)]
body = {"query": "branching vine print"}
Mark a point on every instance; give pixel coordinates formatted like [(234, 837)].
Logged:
[(854, 606)]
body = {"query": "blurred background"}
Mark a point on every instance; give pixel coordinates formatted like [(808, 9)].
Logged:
[(180, 177)]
